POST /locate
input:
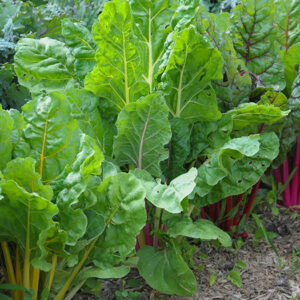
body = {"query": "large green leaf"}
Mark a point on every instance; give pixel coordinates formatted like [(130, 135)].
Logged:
[(121, 203), (168, 197), (253, 36), (179, 148), (186, 80), (79, 39), (166, 271), (143, 131), (291, 61), (44, 64), (26, 211), (151, 18), (248, 114), (287, 15), (235, 86), (6, 127), (236, 167), (52, 134), (117, 76), (85, 110), (201, 229)]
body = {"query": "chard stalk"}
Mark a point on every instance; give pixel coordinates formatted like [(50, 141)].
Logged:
[(35, 282), (287, 192), (8, 263), (52, 272), (156, 225), (295, 180)]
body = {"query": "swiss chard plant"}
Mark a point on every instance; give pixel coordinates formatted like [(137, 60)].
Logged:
[(139, 134)]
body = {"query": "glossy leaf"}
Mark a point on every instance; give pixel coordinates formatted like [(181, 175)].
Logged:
[(168, 197), (117, 76), (235, 86), (121, 203), (83, 48), (236, 167), (253, 36), (6, 127), (52, 134), (25, 194), (143, 131), (202, 229), (186, 80), (166, 271), (44, 64)]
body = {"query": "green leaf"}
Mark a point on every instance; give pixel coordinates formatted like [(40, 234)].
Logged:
[(235, 86), (291, 61), (249, 114), (43, 65), (166, 271), (117, 76), (52, 134), (83, 48), (151, 18), (201, 229), (186, 80), (85, 110), (287, 15), (236, 167), (6, 127), (235, 277), (120, 200), (92, 272), (253, 36), (34, 210), (168, 197), (276, 99), (212, 279), (143, 131), (179, 148), (239, 263)]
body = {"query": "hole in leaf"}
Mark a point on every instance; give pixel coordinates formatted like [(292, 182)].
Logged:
[(240, 180), (250, 162)]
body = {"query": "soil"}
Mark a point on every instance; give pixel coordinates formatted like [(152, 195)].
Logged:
[(263, 278)]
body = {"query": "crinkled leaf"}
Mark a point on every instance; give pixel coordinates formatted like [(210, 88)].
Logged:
[(143, 131), (151, 18), (287, 15), (121, 203), (253, 36), (186, 80), (85, 110), (117, 76), (200, 229), (166, 271), (6, 127), (168, 197), (235, 86), (179, 148), (25, 212), (52, 134), (236, 167), (43, 64), (83, 48), (248, 114)]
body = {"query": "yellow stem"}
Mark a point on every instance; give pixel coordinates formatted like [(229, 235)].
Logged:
[(20, 294), (76, 270), (35, 282), (9, 267), (52, 272), (142, 238)]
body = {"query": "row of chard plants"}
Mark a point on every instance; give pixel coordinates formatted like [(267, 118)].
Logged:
[(156, 126)]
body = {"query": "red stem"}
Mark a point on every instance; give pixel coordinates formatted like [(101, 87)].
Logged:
[(286, 192), (295, 180), (148, 235), (229, 222), (251, 200), (202, 213), (238, 202), (277, 175)]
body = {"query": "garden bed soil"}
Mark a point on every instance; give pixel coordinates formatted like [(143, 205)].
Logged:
[(262, 279)]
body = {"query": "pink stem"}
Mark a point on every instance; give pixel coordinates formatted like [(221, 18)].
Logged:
[(295, 180), (148, 235), (277, 175), (287, 192)]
